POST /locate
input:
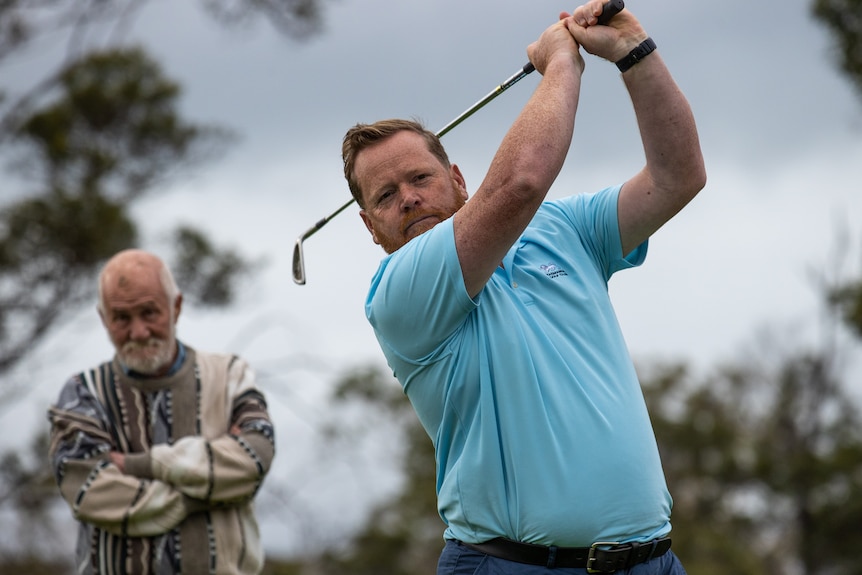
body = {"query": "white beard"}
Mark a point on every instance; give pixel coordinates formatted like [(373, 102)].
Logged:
[(149, 357)]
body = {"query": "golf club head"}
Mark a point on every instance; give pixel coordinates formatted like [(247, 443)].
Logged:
[(298, 263)]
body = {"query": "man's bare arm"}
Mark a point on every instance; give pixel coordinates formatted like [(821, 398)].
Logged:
[(526, 163)]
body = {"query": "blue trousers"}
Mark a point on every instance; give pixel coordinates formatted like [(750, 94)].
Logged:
[(458, 559)]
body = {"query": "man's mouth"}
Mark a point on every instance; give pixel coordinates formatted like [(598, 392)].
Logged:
[(142, 346), (418, 221)]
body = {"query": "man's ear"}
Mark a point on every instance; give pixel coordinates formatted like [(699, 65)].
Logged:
[(458, 178), (178, 306), (367, 221)]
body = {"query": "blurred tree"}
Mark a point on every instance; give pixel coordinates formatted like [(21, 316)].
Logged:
[(88, 140), (103, 135), (207, 274), (846, 299), (24, 22), (765, 466), (100, 136), (27, 495), (844, 20), (276, 567), (403, 535), (96, 130), (300, 19)]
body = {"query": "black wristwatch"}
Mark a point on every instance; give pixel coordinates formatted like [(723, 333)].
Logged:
[(640, 52)]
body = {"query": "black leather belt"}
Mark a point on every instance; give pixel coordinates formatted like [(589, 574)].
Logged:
[(600, 557)]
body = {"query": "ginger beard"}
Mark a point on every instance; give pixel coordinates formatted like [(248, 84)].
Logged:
[(422, 222), (407, 189)]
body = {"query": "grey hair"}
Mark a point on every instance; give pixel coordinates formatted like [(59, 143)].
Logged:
[(169, 285)]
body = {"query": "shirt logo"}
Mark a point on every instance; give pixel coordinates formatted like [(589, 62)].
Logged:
[(553, 271)]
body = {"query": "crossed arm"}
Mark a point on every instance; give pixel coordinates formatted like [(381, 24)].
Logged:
[(149, 494)]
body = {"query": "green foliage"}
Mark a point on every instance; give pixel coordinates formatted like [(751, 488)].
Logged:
[(300, 19), (277, 567), (403, 536), (846, 299), (49, 250), (24, 22), (14, 30), (25, 481), (844, 20), (208, 275), (111, 129), (28, 490), (765, 466), (75, 231), (101, 135), (87, 141), (34, 564)]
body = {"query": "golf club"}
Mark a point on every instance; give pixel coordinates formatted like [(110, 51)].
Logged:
[(609, 10)]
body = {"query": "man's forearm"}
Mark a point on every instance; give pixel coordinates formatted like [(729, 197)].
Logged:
[(535, 147), (667, 128), (523, 169), (100, 494), (226, 469)]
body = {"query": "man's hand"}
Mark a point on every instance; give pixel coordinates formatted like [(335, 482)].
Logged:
[(555, 41), (612, 41), (119, 460)]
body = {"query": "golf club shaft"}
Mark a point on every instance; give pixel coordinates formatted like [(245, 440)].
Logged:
[(528, 68), (609, 10)]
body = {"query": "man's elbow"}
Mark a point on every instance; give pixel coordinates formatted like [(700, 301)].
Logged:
[(689, 180), (698, 175)]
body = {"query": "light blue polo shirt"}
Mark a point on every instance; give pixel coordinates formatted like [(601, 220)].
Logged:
[(528, 392)]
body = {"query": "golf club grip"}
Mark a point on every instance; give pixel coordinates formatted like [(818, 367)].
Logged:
[(609, 10)]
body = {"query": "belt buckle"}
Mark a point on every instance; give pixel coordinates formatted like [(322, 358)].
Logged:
[(591, 557)]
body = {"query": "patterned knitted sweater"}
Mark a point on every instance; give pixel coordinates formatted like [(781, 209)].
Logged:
[(184, 502)]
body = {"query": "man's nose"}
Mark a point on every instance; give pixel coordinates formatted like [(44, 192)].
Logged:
[(139, 329), (410, 198)]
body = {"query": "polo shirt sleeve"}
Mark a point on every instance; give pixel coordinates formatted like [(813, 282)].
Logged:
[(417, 301), (595, 215)]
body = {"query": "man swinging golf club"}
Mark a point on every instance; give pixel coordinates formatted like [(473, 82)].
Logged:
[(494, 315)]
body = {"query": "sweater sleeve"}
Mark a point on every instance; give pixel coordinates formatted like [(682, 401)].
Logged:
[(231, 467), (96, 490)]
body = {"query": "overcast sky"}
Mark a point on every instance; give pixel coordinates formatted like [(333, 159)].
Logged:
[(780, 128)]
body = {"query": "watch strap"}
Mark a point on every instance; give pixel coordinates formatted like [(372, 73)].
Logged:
[(640, 52)]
